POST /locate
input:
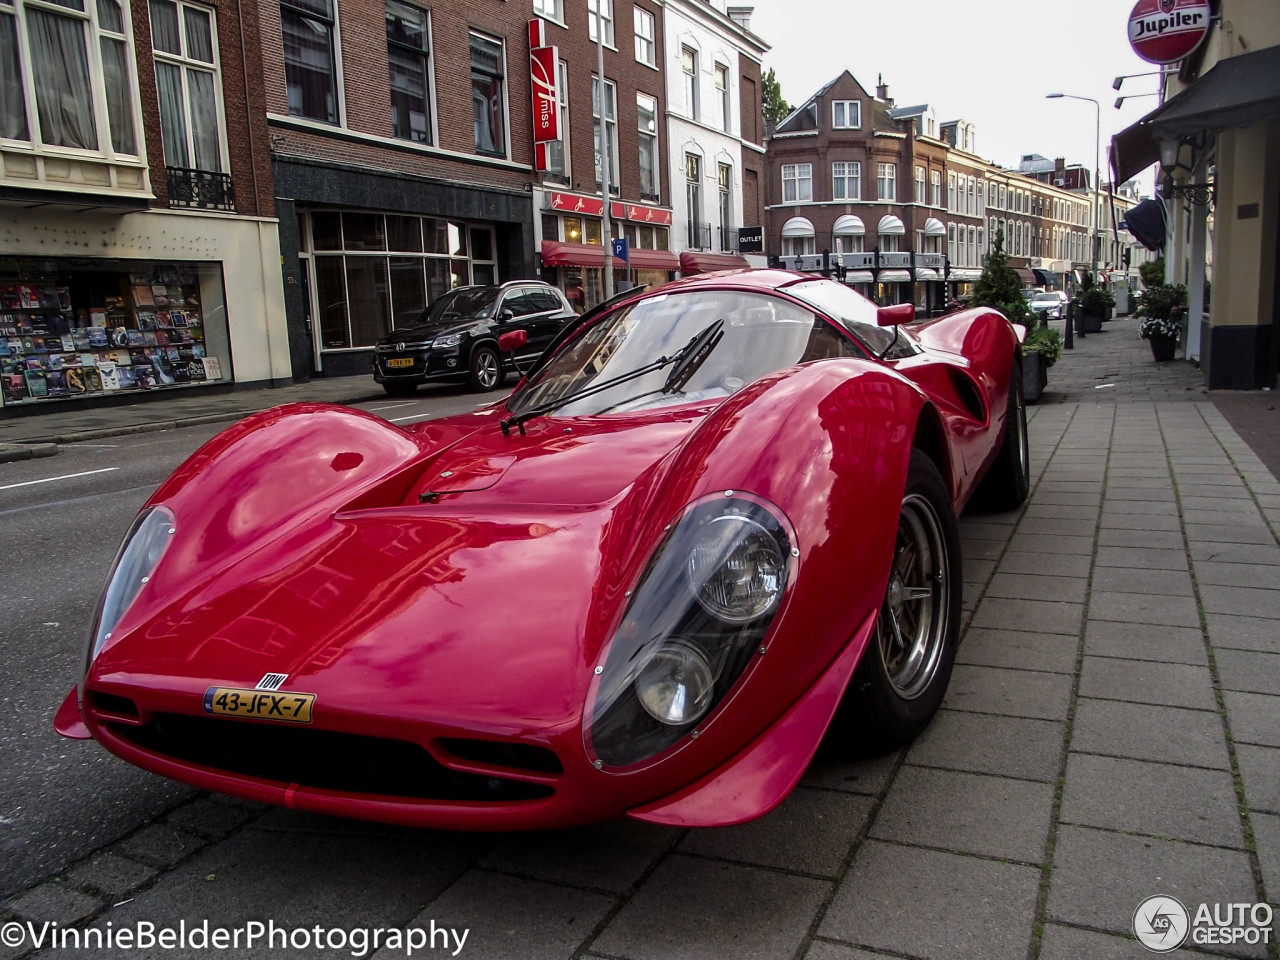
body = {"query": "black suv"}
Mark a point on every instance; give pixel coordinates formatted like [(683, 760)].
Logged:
[(457, 336)]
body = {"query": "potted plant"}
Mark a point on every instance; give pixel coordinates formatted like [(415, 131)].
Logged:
[(1161, 309), (1091, 308), (1040, 351)]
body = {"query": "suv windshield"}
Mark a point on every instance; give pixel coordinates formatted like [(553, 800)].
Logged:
[(1045, 298), (464, 303), (761, 334)]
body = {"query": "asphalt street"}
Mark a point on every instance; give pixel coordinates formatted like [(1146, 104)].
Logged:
[(64, 518)]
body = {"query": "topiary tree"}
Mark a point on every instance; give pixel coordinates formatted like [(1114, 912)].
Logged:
[(1000, 287), (1152, 272)]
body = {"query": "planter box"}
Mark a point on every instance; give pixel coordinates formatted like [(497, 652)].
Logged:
[(1162, 347), (1089, 323), (1034, 376)]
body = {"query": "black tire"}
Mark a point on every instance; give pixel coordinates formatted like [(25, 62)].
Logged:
[(1007, 483), (396, 388), (903, 675), (485, 370)]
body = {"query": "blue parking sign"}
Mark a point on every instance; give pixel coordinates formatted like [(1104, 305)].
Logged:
[(620, 249)]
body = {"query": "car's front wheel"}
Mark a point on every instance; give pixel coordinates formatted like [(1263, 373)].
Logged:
[(486, 371), (1007, 483), (903, 676)]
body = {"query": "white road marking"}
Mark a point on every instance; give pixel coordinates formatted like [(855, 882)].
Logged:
[(391, 406), (65, 476)]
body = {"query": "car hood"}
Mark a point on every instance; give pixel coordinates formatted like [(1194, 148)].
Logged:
[(475, 587), (429, 331)]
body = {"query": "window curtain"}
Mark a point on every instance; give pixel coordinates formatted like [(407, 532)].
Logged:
[(13, 114), (115, 73), (204, 120), (173, 125), (64, 98)]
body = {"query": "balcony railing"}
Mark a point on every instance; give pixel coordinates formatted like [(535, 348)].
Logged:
[(728, 239), (699, 235), (206, 189)]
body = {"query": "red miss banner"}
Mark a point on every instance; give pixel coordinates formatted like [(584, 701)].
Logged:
[(542, 71)]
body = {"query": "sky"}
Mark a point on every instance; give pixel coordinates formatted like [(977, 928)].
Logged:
[(989, 62)]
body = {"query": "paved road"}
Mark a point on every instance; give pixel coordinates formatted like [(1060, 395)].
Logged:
[(64, 518), (1112, 732)]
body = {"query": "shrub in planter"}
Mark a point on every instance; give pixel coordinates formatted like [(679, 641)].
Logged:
[(1161, 310), (1091, 307), (1040, 351)]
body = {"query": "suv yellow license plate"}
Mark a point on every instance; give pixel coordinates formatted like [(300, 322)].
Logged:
[(400, 362), (259, 704)]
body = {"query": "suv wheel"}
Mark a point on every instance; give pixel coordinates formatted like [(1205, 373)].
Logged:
[(486, 371)]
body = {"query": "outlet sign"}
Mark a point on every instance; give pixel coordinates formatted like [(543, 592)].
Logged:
[(1165, 31)]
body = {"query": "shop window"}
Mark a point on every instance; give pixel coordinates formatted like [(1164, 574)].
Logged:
[(606, 17), (69, 329), (409, 63), (310, 65), (73, 61), (488, 95), (646, 47), (647, 116)]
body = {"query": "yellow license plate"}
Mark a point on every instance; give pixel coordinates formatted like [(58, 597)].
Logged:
[(259, 704), (400, 362)]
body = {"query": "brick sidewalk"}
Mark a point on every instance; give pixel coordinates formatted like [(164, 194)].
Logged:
[(1112, 732)]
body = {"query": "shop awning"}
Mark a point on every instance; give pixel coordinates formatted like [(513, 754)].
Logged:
[(1044, 277), (798, 227), (653, 260), (894, 276), (1025, 275), (859, 276), (557, 254), (933, 228), (924, 273), (891, 226), (691, 263), (964, 275), (1237, 92), (849, 225)]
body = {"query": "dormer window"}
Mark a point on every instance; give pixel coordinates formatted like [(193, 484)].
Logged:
[(846, 114)]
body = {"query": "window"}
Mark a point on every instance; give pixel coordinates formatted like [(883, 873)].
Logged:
[(78, 76), (408, 57), (557, 151), (610, 125), (797, 182), (846, 181), (693, 198), (183, 37), (969, 205), (846, 114), (889, 243), (951, 192), (722, 92), (487, 97), (799, 246), (606, 16), (724, 176), (935, 187), (646, 47), (647, 117), (920, 196), (951, 243), (689, 65), (886, 181), (551, 9), (309, 64)]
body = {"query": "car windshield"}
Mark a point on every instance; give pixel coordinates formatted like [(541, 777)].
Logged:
[(1045, 298), (761, 334), (856, 314), (462, 304)]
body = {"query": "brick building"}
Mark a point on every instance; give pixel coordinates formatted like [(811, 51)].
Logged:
[(138, 247)]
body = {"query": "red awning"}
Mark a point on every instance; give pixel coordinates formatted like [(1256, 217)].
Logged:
[(691, 263), (653, 260), (557, 254)]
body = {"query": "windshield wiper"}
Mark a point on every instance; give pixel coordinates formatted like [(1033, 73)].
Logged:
[(687, 360)]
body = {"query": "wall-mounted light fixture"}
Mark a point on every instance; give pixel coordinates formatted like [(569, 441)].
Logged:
[(1199, 194)]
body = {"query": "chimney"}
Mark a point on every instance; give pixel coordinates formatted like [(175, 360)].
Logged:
[(741, 16), (882, 90)]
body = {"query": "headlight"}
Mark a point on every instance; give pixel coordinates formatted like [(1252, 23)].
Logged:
[(452, 340), (698, 616), (138, 556)]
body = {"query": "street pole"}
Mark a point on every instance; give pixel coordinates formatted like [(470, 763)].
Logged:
[(606, 230), (1097, 149)]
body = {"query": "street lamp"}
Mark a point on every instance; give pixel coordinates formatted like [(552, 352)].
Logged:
[(1097, 149)]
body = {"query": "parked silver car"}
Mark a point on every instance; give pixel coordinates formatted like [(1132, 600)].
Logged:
[(1051, 304)]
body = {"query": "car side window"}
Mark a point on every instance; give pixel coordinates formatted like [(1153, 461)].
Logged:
[(546, 301), (519, 302)]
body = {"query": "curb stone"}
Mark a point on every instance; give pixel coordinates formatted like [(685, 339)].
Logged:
[(11, 452)]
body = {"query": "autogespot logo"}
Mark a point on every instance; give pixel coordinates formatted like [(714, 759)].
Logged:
[(1161, 924)]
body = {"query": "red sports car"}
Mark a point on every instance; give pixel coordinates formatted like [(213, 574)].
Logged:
[(710, 515)]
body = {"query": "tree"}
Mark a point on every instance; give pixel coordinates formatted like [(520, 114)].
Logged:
[(1152, 272), (775, 108), (999, 285)]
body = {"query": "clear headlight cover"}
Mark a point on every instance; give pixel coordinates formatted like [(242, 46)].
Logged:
[(449, 340), (137, 558), (699, 614)]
